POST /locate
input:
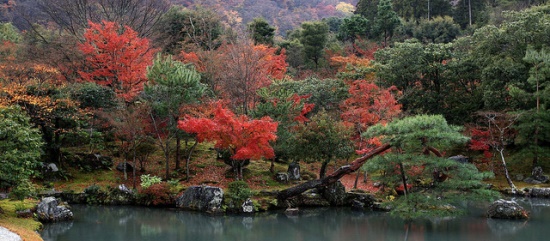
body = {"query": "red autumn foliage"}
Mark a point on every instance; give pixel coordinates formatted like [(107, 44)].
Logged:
[(368, 105), (158, 194), (245, 139), (114, 59), (481, 142)]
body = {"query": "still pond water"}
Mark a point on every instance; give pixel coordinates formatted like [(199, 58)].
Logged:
[(102, 223)]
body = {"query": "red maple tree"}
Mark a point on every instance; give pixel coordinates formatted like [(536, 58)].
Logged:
[(115, 59), (242, 138), (368, 105)]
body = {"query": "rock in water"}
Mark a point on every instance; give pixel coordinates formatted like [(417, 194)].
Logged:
[(49, 210), (335, 193), (248, 206), (502, 209), (201, 198)]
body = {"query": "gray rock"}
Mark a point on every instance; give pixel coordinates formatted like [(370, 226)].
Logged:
[(3, 196), (120, 167), (201, 198), (502, 209), (537, 176), (124, 189), (360, 201), (294, 171), (248, 206), (539, 192), (50, 210), (51, 167), (357, 205), (281, 177), (460, 158), (335, 194)]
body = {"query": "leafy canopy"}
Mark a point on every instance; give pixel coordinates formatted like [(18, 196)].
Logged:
[(244, 138), (115, 59)]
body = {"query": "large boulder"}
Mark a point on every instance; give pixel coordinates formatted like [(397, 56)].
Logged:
[(539, 192), (51, 210), (537, 176), (335, 194), (502, 209), (201, 198)]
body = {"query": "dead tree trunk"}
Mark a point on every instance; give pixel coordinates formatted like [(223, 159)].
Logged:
[(332, 178)]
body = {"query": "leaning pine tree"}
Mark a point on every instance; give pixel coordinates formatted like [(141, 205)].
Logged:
[(431, 184)]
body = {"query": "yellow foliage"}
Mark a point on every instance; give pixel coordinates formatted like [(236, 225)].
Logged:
[(345, 7)]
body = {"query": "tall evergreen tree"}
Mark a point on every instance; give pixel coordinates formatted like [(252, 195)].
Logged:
[(386, 20), (261, 32), (314, 37)]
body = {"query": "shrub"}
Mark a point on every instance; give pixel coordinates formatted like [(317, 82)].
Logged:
[(23, 190), (148, 180), (239, 191), (157, 194)]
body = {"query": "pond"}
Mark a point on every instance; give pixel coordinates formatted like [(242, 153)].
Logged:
[(122, 223)]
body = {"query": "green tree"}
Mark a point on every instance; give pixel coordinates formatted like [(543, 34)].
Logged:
[(288, 109), (499, 52), (431, 183), (314, 37), (534, 124), (419, 9), (437, 30), (322, 139), (171, 85), (467, 13), (386, 20), (354, 27), (261, 32), (20, 147), (8, 32), (367, 9)]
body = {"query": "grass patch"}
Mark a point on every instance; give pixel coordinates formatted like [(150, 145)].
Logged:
[(24, 227), (83, 180)]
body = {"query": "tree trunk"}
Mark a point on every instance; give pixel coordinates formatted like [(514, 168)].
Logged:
[(167, 159), (333, 177), (178, 147), (506, 174), (403, 178), (323, 169), (189, 158), (356, 179)]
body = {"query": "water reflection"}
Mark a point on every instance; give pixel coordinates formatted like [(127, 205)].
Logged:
[(142, 224)]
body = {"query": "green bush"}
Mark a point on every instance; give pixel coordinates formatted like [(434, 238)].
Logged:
[(23, 190), (148, 180), (239, 191)]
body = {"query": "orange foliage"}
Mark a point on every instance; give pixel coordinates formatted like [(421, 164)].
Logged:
[(116, 60), (368, 105), (243, 138)]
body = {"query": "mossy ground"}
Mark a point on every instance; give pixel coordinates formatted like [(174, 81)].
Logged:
[(24, 227)]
